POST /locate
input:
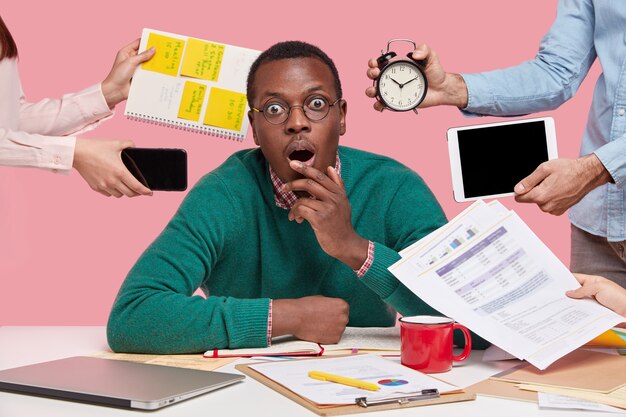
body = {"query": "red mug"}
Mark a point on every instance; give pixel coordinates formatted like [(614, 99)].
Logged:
[(426, 343)]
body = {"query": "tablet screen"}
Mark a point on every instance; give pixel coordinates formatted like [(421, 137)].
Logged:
[(495, 158)]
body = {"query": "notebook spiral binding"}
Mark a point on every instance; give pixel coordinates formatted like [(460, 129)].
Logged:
[(185, 126)]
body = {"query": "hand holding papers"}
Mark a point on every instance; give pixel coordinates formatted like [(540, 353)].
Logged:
[(489, 271)]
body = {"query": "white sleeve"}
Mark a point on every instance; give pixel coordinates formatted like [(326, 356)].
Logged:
[(71, 114), (19, 148), (35, 134)]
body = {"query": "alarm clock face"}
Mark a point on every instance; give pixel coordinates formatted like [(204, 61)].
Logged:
[(401, 86)]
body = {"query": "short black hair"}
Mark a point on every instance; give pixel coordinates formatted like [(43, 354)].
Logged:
[(287, 50)]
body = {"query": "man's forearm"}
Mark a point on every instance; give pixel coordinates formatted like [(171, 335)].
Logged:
[(454, 91), (596, 171)]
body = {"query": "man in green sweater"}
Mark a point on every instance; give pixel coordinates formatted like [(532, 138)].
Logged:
[(294, 237)]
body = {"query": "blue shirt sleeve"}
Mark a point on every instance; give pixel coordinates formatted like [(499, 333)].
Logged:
[(565, 55), (612, 157)]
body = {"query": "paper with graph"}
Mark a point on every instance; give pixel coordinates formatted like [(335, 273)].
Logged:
[(490, 272)]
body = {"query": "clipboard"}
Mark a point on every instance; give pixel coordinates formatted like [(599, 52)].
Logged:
[(336, 410)]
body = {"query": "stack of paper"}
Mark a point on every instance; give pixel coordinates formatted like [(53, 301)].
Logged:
[(586, 375), (489, 271), (554, 401)]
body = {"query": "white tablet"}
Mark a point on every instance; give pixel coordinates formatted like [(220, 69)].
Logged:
[(488, 160)]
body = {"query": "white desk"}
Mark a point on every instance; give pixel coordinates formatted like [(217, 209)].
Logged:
[(26, 345)]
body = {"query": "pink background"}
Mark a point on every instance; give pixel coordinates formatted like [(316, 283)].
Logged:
[(65, 250)]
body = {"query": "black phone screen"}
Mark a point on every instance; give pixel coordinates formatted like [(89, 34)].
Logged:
[(159, 169)]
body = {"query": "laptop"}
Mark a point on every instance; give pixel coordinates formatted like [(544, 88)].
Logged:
[(113, 382)]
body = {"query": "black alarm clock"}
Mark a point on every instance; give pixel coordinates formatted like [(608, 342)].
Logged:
[(402, 84)]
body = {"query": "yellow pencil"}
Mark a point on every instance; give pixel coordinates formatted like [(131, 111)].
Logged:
[(323, 376)]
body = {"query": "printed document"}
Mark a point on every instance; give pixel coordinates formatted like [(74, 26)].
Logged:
[(502, 282), (454, 235), (571, 403), (393, 379)]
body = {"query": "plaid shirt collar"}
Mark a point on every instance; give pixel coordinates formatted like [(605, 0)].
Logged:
[(286, 200)]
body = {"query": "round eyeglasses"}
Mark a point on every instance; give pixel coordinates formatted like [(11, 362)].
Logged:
[(315, 108)]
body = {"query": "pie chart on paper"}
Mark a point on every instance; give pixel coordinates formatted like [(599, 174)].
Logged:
[(392, 382)]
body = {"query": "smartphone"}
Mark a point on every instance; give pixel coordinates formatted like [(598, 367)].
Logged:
[(159, 169)]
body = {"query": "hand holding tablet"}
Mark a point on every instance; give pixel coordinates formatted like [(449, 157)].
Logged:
[(488, 160)]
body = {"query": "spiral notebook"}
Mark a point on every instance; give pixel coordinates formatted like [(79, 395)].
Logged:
[(192, 84), (380, 340)]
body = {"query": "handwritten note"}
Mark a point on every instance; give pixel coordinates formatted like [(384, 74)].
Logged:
[(192, 84), (191, 103), (226, 109), (202, 59), (169, 52)]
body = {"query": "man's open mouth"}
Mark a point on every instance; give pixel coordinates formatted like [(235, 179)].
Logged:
[(302, 155), (302, 151)]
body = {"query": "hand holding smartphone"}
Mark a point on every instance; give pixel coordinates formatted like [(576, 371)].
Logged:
[(159, 169)]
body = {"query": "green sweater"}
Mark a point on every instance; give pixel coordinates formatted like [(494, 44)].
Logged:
[(231, 240)]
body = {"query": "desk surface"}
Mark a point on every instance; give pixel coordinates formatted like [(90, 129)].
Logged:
[(26, 345)]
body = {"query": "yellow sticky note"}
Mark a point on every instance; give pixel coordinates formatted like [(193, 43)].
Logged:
[(202, 59), (169, 52), (191, 103), (226, 109)]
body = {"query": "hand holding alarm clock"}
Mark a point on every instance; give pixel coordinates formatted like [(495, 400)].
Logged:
[(401, 84)]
